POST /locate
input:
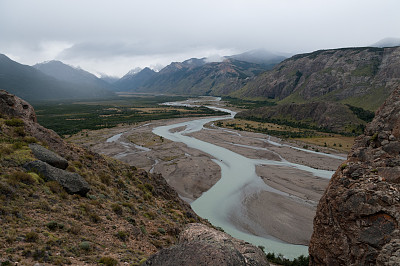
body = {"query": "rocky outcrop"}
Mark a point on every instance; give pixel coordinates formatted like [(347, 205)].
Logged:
[(14, 106), (202, 245), (357, 219), (45, 155), (73, 183), (363, 77)]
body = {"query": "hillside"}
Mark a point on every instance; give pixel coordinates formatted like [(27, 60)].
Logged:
[(326, 116), (127, 214), (357, 219), (362, 77), (62, 204), (196, 77), (31, 84), (70, 74)]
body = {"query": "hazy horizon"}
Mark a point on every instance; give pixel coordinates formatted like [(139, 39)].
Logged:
[(113, 37)]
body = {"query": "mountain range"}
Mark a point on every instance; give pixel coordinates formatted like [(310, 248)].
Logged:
[(362, 77), (200, 76), (32, 84), (197, 77), (67, 73)]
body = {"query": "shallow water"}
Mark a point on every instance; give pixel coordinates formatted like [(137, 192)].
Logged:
[(238, 180)]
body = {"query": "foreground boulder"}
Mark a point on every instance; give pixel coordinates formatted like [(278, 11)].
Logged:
[(45, 155), (71, 182), (202, 245), (357, 219)]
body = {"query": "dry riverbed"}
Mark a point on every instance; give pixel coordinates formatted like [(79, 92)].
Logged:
[(191, 172)]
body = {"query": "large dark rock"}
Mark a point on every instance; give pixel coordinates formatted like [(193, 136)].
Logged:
[(357, 219), (202, 245), (71, 182), (45, 155), (197, 253)]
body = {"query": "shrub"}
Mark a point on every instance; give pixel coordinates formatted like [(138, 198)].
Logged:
[(75, 229), (29, 139), (6, 189), (122, 235), (23, 178), (53, 225), (116, 208), (20, 131), (280, 260), (143, 229), (105, 179), (55, 187), (108, 261), (31, 237), (94, 218), (5, 150), (14, 122), (161, 230), (18, 145), (85, 245)]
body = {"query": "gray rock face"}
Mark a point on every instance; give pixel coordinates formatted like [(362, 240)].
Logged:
[(202, 245), (45, 155), (71, 182), (357, 220)]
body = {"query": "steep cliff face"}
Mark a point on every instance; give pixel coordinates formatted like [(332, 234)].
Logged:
[(363, 77), (357, 219)]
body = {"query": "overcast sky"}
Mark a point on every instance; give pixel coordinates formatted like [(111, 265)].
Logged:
[(115, 36)]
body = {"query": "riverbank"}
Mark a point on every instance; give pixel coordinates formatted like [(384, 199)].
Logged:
[(191, 172), (275, 187)]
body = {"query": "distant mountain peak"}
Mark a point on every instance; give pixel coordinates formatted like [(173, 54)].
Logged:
[(72, 74), (32, 83), (134, 71)]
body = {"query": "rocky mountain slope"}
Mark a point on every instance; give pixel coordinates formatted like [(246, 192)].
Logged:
[(357, 219), (197, 77), (362, 77), (62, 204), (63, 72), (327, 116), (31, 84)]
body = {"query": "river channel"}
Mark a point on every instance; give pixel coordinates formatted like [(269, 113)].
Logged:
[(225, 200)]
